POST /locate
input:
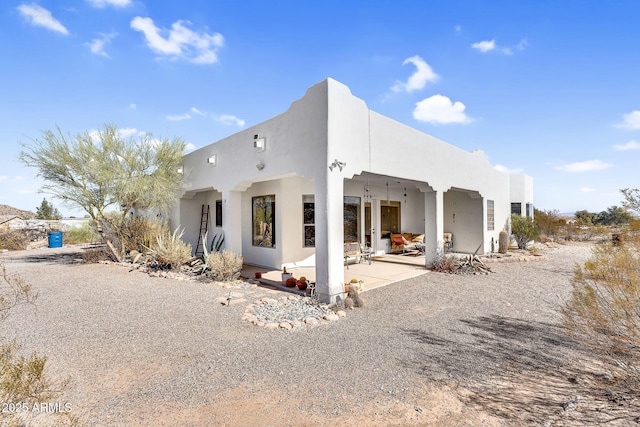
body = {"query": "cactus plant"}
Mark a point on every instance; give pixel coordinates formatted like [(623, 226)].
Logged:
[(503, 242)]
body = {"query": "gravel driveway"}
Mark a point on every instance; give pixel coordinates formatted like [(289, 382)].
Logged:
[(437, 349)]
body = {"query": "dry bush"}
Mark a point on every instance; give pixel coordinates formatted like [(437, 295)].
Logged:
[(13, 240), (139, 232), (224, 266), (604, 308), (446, 264), (170, 252), (354, 295), (94, 256)]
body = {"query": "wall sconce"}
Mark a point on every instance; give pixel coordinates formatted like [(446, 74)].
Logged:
[(337, 164), (260, 144), (213, 160), (260, 166), (180, 170)]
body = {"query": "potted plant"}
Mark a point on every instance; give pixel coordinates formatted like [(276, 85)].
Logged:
[(302, 283)]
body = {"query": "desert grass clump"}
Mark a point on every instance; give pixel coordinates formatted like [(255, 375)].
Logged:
[(604, 308), (170, 252), (223, 266), (446, 264)]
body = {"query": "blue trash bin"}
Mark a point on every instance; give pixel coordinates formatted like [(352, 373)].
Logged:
[(55, 239)]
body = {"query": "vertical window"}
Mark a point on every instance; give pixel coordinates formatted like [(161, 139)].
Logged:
[(351, 219), (490, 216), (263, 220), (309, 220), (516, 208), (218, 213), (529, 210), (389, 218)]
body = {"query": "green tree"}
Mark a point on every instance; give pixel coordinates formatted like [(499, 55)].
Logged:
[(585, 217), (47, 211), (614, 215), (128, 174), (523, 230)]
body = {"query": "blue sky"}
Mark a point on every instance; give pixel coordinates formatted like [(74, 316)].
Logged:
[(546, 88)]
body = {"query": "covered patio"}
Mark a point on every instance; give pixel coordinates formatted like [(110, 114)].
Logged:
[(383, 270)]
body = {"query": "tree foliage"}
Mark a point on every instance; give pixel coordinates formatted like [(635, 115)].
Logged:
[(523, 229), (47, 211), (631, 199), (107, 170), (548, 222)]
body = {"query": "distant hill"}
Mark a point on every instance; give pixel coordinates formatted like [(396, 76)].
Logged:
[(8, 210)]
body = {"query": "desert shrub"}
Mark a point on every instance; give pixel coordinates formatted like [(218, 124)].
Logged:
[(170, 252), (93, 256), (446, 264), (523, 230), (84, 234), (13, 240), (604, 308), (224, 266)]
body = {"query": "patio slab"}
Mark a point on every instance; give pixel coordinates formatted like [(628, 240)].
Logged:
[(382, 271)]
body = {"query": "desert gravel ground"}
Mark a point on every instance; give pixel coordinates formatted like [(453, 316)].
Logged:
[(437, 349)]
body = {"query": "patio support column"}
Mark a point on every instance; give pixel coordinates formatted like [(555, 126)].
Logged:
[(231, 220), (329, 221), (434, 226)]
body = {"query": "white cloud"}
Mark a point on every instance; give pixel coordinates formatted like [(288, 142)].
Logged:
[(485, 46), (439, 109), (501, 168), (41, 17), (587, 190), (196, 111), (179, 117), (229, 119), (180, 42), (132, 106), (586, 166), (105, 3), (631, 120), (419, 79), (631, 145), (97, 45), (457, 28), (129, 132), (490, 45), (189, 147)]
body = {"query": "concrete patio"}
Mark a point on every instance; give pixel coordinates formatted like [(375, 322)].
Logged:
[(382, 271)]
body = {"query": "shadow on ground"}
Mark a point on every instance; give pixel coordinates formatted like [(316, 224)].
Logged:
[(526, 372), (54, 257)]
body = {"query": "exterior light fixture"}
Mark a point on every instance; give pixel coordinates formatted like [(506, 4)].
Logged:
[(213, 160), (259, 143), (260, 166), (337, 164), (180, 170)]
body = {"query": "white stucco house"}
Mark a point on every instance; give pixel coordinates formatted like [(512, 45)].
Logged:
[(295, 188)]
